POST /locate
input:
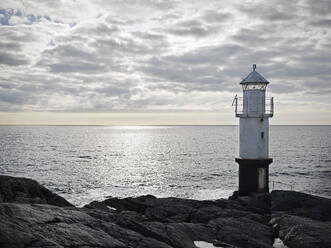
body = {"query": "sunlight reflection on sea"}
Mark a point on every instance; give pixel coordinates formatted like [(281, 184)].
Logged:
[(85, 163)]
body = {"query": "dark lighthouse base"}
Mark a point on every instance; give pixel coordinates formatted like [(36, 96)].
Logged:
[(253, 175)]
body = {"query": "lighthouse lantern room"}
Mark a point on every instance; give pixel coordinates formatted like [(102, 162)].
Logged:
[(254, 111)]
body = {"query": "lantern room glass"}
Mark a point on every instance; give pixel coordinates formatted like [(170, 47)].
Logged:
[(256, 86)]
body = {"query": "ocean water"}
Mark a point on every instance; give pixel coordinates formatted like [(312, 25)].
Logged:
[(85, 163)]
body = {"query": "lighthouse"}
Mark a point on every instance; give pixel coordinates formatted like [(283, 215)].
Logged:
[(253, 110)]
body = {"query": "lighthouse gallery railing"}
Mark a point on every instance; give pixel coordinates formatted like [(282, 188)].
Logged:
[(239, 106)]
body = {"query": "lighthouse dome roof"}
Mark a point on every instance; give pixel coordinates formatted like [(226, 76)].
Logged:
[(254, 77)]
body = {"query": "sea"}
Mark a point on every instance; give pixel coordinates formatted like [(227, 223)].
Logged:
[(87, 163)]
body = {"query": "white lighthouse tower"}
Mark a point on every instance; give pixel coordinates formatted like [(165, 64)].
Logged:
[(254, 111)]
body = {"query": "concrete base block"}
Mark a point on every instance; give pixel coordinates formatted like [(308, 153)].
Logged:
[(253, 175)]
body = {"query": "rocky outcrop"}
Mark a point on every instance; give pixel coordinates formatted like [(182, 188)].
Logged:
[(178, 222), (43, 225), (301, 220), (32, 216), (24, 190)]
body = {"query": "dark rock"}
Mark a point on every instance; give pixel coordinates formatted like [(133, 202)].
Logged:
[(25, 225), (98, 205), (242, 222), (303, 232), (172, 210), (243, 232), (24, 190), (301, 204), (258, 202), (32, 216), (301, 220), (204, 232), (218, 243), (138, 204)]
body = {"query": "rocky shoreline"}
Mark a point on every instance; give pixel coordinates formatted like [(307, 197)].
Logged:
[(33, 216)]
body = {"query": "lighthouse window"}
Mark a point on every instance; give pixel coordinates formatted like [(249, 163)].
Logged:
[(256, 86), (262, 135)]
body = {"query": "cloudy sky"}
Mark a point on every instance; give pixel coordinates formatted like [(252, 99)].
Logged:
[(161, 61)]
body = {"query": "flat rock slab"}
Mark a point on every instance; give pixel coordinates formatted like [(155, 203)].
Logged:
[(26, 225), (301, 220)]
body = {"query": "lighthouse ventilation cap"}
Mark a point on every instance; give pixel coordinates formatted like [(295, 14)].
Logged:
[(254, 77)]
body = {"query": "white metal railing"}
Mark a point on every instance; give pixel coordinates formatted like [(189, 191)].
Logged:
[(235, 103), (269, 105), (239, 106)]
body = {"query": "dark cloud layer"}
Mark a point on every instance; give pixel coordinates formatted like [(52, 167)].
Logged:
[(12, 59), (128, 55)]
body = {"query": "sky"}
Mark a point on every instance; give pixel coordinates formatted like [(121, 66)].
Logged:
[(145, 62)]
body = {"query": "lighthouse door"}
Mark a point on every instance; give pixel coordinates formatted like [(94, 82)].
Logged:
[(261, 179)]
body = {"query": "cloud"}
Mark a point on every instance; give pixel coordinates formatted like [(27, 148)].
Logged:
[(319, 8), (10, 46), (12, 59), (324, 23), (283, 11), (77, 67), (159, 55), (192, 28), (216, 16)]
